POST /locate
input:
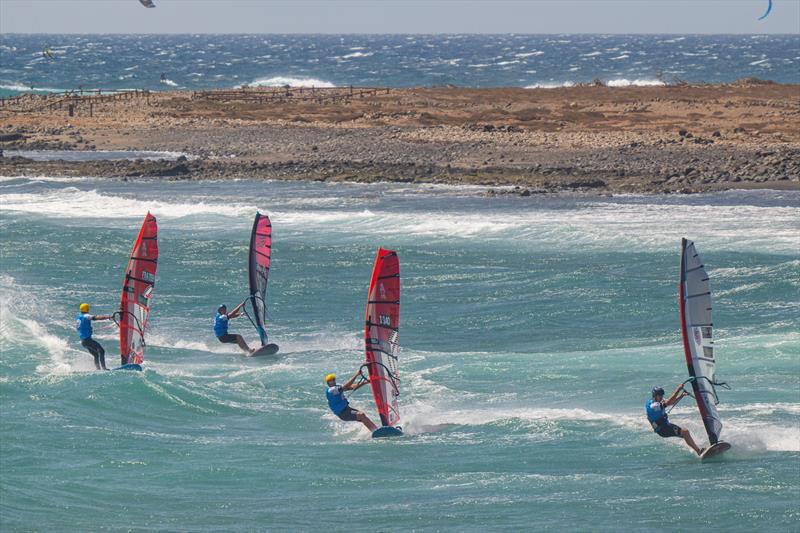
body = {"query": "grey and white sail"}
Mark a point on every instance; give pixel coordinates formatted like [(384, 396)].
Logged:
[(698, 341)]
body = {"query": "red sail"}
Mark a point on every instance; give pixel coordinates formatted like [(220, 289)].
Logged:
[(381, 334), (260, 252), (137, 289)]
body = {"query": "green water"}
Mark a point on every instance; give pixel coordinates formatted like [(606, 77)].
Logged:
[(532, 330)]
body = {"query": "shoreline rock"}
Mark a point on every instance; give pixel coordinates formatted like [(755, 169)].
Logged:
[(587, 138)]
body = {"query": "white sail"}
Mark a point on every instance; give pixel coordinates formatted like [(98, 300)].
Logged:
[(698, 341)]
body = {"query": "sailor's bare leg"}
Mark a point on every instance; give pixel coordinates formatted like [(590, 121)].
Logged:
[(242, 344), (364, 419), (689, 440)]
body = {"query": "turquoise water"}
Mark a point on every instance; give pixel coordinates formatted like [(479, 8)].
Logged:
[(532, 330)]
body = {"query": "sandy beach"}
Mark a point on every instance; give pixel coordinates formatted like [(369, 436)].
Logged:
[(663, 139)]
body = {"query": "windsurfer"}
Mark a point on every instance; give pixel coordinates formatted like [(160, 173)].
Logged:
[(221, 327), (657, 416), (339, 403), (83, 324)]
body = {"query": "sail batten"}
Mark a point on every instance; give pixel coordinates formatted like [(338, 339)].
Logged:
[(381, 335), (137, 292)]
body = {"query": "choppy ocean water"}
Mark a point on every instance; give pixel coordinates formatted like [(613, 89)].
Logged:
[(218, 61), (532, 331)]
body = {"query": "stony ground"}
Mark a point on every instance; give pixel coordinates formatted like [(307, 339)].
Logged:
[(643, 139)]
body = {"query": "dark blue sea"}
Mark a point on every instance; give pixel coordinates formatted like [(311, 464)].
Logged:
[(59, 62)]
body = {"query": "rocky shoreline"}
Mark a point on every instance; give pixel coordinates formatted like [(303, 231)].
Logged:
[(549, 140)]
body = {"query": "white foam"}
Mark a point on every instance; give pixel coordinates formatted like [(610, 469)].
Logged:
[(592, 225), (746, 432), (384, 223), (357, 54), (28, 88), (61, 204), (424, 418), (740, 288), (281, 81), (550, 85), (211, 346), (17, 306), (318, 341), (617, 82), (761, 408), (529, 54), (762, 271), (750, 434), (325, 341), (624, 82)]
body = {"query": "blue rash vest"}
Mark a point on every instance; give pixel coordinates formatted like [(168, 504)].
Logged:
[(83, 324), (336, 400), (220, 325), (656, 414)]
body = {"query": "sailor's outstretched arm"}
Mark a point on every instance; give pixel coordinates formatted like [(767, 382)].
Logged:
[(677, 395), (349, 383), (236, 310)]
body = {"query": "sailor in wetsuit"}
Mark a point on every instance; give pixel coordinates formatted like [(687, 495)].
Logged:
[(657, 416), (221, 327), (339, 404), (83, 324)]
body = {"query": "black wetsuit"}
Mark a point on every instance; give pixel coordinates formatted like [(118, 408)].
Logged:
[(97, 351)]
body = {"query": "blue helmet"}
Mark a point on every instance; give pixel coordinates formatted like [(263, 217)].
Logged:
[(658, 391)]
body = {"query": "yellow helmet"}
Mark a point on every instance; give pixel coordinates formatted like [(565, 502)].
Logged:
[(84, 308), (330, 377)]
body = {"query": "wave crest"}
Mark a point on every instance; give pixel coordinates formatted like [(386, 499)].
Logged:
[(282, 81)]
